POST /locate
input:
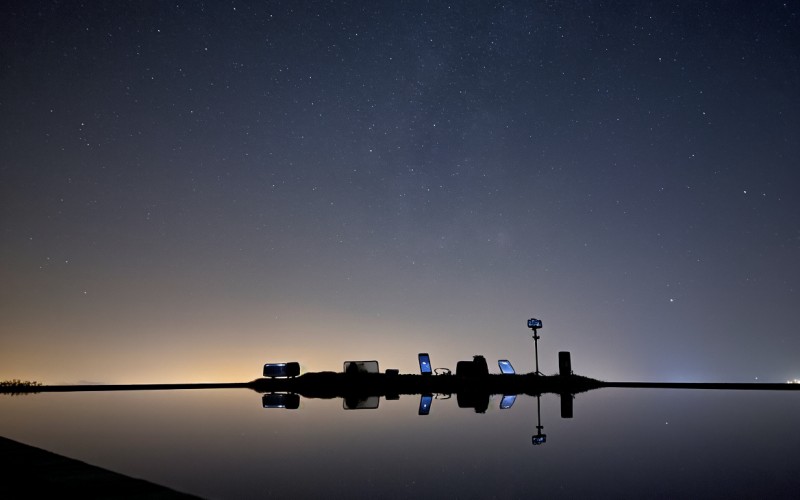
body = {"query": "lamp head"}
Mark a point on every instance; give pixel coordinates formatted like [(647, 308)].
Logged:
[(534, 323)]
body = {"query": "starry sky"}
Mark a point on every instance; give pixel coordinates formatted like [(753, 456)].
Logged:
[(189, 190)]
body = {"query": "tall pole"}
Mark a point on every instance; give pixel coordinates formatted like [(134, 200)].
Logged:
[(534, 324), (536, 348)]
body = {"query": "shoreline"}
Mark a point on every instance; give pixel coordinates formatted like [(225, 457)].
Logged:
[(40, 474), (336, 384)]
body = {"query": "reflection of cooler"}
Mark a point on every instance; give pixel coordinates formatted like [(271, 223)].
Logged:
[(477, 400), (281, 400)]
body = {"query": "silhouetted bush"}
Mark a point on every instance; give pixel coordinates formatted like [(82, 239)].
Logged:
[(16, 386)]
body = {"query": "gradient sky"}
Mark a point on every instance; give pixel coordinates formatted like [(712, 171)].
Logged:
[(191, 189)]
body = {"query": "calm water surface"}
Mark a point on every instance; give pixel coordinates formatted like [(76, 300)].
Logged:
[(620, 443)]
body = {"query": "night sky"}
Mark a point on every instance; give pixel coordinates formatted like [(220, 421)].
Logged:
[(189, 190)]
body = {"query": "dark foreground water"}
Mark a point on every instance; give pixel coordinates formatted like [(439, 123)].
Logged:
[(619, 443)]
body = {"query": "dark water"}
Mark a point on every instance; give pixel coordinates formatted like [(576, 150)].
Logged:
[(619, 443)]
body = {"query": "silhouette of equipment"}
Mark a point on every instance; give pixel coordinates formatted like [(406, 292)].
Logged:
[(280, 370), (359, 367), (534, 324), (564, 363), (505, 367), (475, 368)]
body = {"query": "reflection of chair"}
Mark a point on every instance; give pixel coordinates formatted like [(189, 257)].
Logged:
[(505, 367)]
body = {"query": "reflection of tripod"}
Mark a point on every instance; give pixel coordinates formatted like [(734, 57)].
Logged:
[(539, 438)]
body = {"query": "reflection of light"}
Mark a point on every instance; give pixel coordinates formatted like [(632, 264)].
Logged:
[(793, 381)]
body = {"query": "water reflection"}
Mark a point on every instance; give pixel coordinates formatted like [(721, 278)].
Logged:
[(286, 401), (473, 399), (425, 401), (361, 403), (221, 443)]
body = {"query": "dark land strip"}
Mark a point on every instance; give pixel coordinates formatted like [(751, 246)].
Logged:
[(336, 384), (38, 473)]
